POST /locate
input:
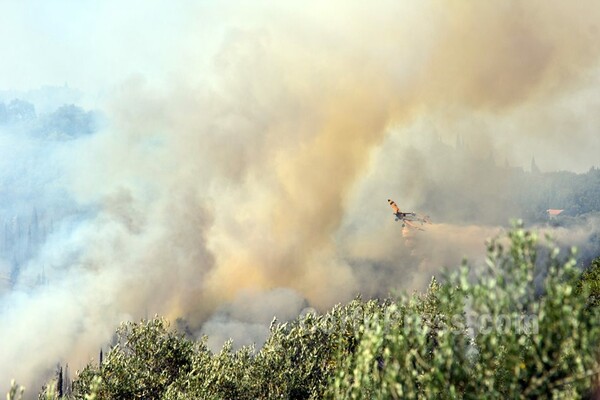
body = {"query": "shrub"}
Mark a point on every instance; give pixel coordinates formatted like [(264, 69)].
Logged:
[(520, 326), (485, 333), (145, 360)]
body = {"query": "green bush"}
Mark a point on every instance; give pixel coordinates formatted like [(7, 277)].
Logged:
[(146, 359), (485, 333), (523, 325), (589, 283), (297, 361)]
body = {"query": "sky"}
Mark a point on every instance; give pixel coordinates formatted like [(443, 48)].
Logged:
[(250, 148), (97, 47), (94, 46)]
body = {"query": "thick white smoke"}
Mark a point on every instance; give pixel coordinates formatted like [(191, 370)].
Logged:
[(268, 176)]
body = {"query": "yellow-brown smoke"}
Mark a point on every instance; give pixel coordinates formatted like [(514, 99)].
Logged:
[(241, 180), (295, 107), (337, 96)]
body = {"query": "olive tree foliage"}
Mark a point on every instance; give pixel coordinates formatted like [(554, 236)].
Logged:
[(145, 360), (400, 346), (521, 326), (297, 361), (15, 392), (485, 333), (590, 282), (49, 392)]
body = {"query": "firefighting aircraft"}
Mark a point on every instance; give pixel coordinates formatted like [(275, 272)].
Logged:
[(408, 218)]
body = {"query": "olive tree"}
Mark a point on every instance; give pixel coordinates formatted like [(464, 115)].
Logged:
[(514, 328)]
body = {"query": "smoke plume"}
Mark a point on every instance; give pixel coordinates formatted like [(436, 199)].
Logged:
[(265, 179)]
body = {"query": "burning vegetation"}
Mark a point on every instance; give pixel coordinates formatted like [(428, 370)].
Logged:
[(235, 167)]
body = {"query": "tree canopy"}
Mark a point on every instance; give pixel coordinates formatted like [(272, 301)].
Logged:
[(514, 327)]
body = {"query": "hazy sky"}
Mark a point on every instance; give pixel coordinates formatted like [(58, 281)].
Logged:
[(97, 46), (92, 45), (247, 141)]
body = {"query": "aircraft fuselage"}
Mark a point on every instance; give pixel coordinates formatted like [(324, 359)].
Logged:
[(402, 215)]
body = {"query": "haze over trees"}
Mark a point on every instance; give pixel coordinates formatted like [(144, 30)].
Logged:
[(485, 331), (33, 203), (495, 191), (67, 121), (246, 158), (363, 349)]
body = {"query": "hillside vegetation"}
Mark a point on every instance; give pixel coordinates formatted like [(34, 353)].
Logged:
[(512, 328)]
